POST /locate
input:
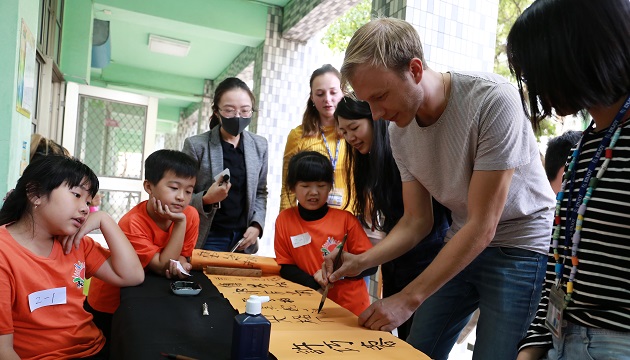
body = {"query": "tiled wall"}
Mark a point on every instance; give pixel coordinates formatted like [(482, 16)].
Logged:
[(285, 69), (455, 34)]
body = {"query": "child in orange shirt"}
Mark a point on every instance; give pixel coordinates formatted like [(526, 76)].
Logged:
[(162, 228), (307, 232), (45, 258)]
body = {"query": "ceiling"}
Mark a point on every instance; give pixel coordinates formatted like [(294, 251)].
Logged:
[(218, 31)]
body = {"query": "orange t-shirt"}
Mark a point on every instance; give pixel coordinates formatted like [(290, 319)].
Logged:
[(56, 331), (326, 233), (147, 239)]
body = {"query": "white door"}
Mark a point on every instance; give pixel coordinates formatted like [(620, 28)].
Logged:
[(112, 132)]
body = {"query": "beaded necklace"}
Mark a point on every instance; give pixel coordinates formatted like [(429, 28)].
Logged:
[(574, 219)]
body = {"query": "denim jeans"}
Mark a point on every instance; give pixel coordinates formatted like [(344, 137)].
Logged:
[(579, 342), (505, 283), (222, 240)]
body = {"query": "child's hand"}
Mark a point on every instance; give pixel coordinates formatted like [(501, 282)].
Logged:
[(92, 222), (217, 192), (173, 272), (318, 276), (163, 212)]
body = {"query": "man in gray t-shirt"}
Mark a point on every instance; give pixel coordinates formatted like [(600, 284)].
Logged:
[(463, 139)]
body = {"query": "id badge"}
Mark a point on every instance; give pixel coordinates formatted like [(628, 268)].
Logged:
[(553, 321), (335, 198)]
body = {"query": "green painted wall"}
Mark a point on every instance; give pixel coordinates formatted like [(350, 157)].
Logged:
[(166, 112), (76, 41), (168, 117), (16, 127)]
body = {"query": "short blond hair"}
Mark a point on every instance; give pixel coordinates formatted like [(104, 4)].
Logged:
[(386, 42)]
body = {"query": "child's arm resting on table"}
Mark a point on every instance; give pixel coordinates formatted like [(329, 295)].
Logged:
[(123, 267), (6, 348)]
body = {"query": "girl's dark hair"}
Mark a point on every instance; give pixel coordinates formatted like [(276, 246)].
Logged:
[(226, 85), (310, 119), (570, 55), (40, 178), (308, 166), (377, 185)]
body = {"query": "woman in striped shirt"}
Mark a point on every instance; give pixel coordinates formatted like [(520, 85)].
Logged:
[(573, 55)]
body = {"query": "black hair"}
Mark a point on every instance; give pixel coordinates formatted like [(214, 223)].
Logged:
[(377, 185), (224, 86), (351, 109), (40, 178), (310, 119), (161, 161), (570, 55), (308, 166), (558, 150)]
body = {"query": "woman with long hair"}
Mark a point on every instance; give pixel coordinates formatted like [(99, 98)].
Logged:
[(377, 194), (319, 133)]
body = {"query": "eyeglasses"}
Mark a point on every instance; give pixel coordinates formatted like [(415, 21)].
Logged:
[(231, 112)]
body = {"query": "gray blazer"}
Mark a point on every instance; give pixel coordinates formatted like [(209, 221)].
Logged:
[(206, 149)]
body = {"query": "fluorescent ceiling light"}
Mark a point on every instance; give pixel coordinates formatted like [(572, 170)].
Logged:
[(164, 45)]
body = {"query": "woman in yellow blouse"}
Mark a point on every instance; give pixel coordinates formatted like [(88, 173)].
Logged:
[(318, 132)]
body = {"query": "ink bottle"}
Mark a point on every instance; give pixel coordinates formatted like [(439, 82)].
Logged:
[(251, 332)]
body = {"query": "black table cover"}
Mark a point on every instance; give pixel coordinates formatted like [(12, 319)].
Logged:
[(152, 320)]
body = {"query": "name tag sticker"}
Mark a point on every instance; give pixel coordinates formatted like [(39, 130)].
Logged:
[(48, 297), (301, 240)]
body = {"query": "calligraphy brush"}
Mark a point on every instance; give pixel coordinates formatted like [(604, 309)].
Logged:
[(336, 264)]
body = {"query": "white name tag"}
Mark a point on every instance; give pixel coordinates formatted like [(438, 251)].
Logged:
[(56, 296), (300, 240)]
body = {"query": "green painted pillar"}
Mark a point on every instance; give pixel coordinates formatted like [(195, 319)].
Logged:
[(76, 41), (16, 128)]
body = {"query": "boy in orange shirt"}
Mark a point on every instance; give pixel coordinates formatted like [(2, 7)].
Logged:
[(160, 229)]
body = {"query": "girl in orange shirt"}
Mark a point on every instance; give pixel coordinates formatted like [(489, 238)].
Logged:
[(45, 258), (305, 233)]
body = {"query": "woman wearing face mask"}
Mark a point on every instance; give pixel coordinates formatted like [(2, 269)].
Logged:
[(377, 191), (319, 133), (230, 210)]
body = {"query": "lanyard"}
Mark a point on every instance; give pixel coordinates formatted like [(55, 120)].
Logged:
[(572, 211), (333, 161)]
